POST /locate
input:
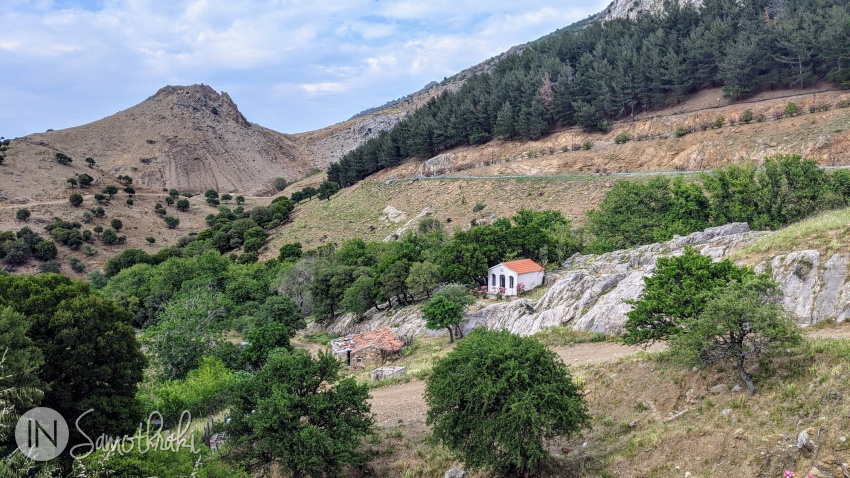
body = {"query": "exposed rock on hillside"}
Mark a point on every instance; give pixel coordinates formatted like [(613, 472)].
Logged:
[(590, 293), (632, 8), (185, 137)]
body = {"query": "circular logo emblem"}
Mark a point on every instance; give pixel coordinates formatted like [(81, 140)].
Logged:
[(41, 434)]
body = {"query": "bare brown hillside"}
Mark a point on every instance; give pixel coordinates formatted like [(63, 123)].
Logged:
[(186, 137), (654, 144)]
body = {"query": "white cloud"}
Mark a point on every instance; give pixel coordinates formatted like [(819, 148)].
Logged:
[(323, 88), (271, 55)]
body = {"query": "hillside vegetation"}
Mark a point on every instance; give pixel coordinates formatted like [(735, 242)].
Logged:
[(620, 68)]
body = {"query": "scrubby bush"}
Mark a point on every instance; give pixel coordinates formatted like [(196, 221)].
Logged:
[(50, 267), (109, 237), (791, 109), (75, 199), (63, 159), (23, 214), (623, 138), (77, 265)]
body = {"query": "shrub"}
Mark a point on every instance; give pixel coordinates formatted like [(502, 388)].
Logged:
[(203, 391), (90, 162), (747, 117), (182, 204), (479, 206), (171, 222), (587, 145), (681, 131), (623, 138), (150, 239), (85, 180), (109, 237), (290, 251), (718, 122), (77, 265), (63, 159), (791, 109), (129, 201), (75, 199), (51, 267), (45, 251), (280, 184), (23, 215)]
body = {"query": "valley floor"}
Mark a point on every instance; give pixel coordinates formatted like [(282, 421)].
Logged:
[(652, 418)]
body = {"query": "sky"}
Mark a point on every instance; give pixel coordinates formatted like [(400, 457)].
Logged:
[(289, 65)]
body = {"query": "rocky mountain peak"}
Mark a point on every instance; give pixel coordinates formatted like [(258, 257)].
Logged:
[(200, 99)]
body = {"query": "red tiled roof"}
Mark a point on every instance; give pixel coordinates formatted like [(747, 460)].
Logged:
[(383, 338), (523, 266)]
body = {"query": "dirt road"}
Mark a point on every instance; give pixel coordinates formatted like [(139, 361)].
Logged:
[(404, 403)]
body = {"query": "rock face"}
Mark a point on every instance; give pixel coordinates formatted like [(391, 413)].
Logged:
[(814, 287), (591, 292), (632, 8)]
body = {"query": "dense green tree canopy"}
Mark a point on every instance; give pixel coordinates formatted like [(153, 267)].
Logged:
[(91, 355), (740, 324), (299, 413), (676, 292), (496, 398)]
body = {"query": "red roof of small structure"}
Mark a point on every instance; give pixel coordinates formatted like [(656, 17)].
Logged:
[(523, 266), (383, 339)]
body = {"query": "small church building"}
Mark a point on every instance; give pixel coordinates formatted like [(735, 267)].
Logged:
[(506, 278)]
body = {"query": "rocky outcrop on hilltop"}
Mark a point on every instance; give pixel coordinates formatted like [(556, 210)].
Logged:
[(191, 138), (590, 293), (632, 8)]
